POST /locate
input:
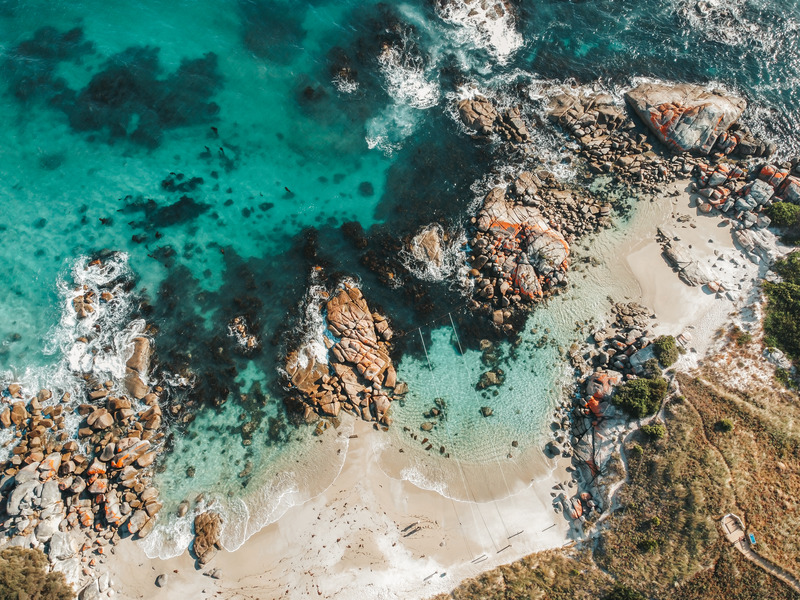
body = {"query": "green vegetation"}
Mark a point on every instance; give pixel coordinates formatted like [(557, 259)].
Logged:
[(623, 592), (782, 321), (724, 425), (24, 576), (785, 378), (784, 214), (655, 431), (666, 350), (651, 368), (762, 455), (636, 451), (641, 397)]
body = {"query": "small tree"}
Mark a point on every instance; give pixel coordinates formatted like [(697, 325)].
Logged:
[(24, 576), (656, 431), (666, 350), (724, 425), (784, 214)]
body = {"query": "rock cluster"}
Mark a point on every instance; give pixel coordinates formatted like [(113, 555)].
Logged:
[(357, 370), (207, 530), (481, 114), (614, 348), (743, 192), (517, 257), (72, 497), (609, 140)]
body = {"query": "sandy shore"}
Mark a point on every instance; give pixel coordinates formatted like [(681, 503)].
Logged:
[(678, 307), (353, 541)]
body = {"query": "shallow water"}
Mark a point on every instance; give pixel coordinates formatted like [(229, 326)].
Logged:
[(211, 137)]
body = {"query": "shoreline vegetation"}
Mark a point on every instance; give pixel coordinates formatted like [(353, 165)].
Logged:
[(674, 420)]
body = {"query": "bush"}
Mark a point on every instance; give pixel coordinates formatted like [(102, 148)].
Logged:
[(648, 545), (651, 368), (655, 522), (636, 451), (24, 576), (782, 321), (784, 214), (724, 425), (641, 397), (655, 431), (623, 592), (666, 350)]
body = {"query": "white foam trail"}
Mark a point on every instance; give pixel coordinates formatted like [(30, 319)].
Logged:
[(406, 79), (481, 28), (453, 267), (412, 89), (345, 85)]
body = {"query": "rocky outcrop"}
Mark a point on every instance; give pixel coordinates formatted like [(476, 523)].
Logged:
[(136, 368), (692, 270), (239, 329), (686, 117), (517, 257), (357, 368), (481, 114), (72, 498), (744, 192), (426, 246), (207, 531)]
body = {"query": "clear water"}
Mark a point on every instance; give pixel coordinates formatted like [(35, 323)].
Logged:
[(283, 145)]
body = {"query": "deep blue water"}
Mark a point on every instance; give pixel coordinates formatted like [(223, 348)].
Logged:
[(219, 147)]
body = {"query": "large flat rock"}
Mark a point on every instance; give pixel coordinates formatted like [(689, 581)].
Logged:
[(685, 117)]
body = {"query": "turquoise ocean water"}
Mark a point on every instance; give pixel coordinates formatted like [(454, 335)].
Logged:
[(220, 148)]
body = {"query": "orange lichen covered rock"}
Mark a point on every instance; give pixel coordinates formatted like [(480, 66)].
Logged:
[(686, 117)]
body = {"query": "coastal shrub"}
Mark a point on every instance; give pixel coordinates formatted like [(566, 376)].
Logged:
[(651, 368), (666, 350), (655, 431), (636, 451), (784, 377), (784, 214), (623, 592), (782, 320), (641, 397), (724, 425), (24, 576), (648, 545)]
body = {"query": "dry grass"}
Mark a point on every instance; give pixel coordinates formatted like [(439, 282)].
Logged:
[(763, 453), (666, 523), (552, 575)]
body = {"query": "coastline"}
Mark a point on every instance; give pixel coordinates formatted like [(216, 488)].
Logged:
[(332, 546), (349, 541)]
